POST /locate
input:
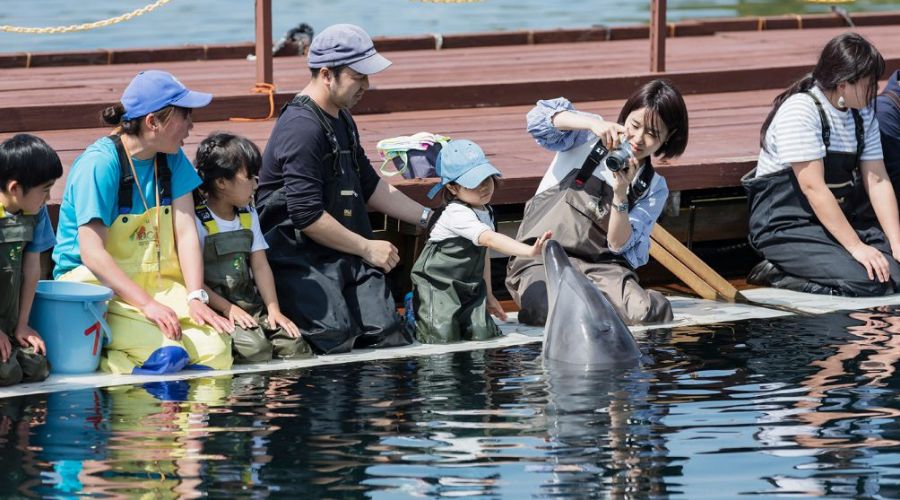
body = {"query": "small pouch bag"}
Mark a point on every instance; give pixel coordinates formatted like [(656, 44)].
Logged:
[(413, 156)]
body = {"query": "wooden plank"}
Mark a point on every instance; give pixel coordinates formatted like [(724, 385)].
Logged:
[(657, 36), (264, 42), (32, 99), (700, 27)]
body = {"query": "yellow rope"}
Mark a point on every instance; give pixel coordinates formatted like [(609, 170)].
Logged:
[(261, 88), (86, 26)]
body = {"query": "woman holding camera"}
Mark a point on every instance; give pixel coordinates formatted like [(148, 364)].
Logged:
[(819, 175), (602, 217)]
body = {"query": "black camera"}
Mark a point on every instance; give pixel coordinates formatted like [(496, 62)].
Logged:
[(618, 158), (615, 160)]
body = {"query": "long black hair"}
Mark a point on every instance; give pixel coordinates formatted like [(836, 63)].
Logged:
[(847, 57), (221, 156)]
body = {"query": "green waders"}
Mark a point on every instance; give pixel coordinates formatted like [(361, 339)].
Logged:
[(226, 269), (23, 365), (450, 298)]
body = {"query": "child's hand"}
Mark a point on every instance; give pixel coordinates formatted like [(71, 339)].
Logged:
[(276, 319), (240, 317), (203, 315), (28, 337), (5, 347), (538, 246), (493, 307), (164, 317)]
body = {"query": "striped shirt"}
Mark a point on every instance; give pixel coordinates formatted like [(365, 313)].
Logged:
[(795, 134)]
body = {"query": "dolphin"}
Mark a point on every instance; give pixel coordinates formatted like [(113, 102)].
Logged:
[(582, 328)]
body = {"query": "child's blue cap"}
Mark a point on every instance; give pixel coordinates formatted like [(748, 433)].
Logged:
[(154, 90), (464, 163)]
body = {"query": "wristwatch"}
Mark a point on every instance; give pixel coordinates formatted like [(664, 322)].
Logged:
[(621, 207), (423, 219), (200, 295)]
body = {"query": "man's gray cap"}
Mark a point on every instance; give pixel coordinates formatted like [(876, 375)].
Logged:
[(346, 45)]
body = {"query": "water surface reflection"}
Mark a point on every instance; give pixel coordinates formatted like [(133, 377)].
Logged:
[(782, 406)]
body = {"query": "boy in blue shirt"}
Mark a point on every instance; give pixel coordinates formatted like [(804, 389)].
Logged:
[(28, 169)]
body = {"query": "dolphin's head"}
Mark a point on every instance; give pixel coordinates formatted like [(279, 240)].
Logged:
[(582, 327)]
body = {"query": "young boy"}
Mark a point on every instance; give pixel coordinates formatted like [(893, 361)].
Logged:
[(28, 169)]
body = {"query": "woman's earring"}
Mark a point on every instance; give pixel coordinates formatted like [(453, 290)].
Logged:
[(841, 103)]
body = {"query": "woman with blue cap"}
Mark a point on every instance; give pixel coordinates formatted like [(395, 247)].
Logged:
[(127, 221), (452, 295)]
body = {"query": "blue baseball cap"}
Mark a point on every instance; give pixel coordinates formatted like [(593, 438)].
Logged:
[(345, 45), (463, 162), (153, 90)]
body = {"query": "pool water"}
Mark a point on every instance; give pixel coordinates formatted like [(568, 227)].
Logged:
[(787, 406)]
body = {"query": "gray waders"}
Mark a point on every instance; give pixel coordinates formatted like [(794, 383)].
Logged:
[(578, 215), (802, 254), (23, 365), (226, 269), (336, 299), (450, 294)]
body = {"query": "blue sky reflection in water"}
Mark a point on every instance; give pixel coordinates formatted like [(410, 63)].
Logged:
[(222, 21), (785, 406)]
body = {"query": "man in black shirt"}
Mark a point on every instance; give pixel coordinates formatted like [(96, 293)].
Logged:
[(316, 185)]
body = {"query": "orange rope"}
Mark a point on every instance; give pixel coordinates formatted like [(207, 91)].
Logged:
[(799, 21), (761, 24), (261, 88)]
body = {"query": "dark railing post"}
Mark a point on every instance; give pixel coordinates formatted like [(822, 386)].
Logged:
[(658, 35), (264, 42)]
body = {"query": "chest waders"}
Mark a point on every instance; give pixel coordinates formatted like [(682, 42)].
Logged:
[(337, 300), (577, 210), (450, 294), (226, 270), (143, 246), (23, 365), (786, 231)]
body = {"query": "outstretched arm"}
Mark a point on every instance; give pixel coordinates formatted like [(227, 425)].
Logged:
[(389, 200), (506, 245)]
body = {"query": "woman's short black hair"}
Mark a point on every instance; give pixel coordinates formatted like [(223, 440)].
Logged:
[(662, 99), (28, 160), (222, 155)]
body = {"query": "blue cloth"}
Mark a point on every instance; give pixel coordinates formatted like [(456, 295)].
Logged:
[(44, 238), (888, 114), (645, 211), (92, 192)]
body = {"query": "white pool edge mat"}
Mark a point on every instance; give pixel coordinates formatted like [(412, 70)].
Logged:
[(688, 312)]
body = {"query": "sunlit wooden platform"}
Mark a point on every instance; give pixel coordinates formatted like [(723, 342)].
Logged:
[(71, 96)]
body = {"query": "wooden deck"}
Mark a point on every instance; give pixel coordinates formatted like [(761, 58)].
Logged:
[(480, 93), (723, 144), (71, 96)]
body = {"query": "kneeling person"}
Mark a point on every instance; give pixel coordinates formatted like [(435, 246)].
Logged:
[(230, 237), (28, 169), (452, 278)]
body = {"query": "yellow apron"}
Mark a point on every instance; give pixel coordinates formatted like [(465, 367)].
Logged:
[(149, 258)]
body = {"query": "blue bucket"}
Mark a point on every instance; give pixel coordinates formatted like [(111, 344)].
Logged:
[(70, 318)]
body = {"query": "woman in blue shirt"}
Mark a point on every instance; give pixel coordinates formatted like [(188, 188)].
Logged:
[(602, 218), (127, 221)]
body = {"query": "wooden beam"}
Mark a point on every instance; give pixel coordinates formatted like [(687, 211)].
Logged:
[(264, 42), (657, 36)]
